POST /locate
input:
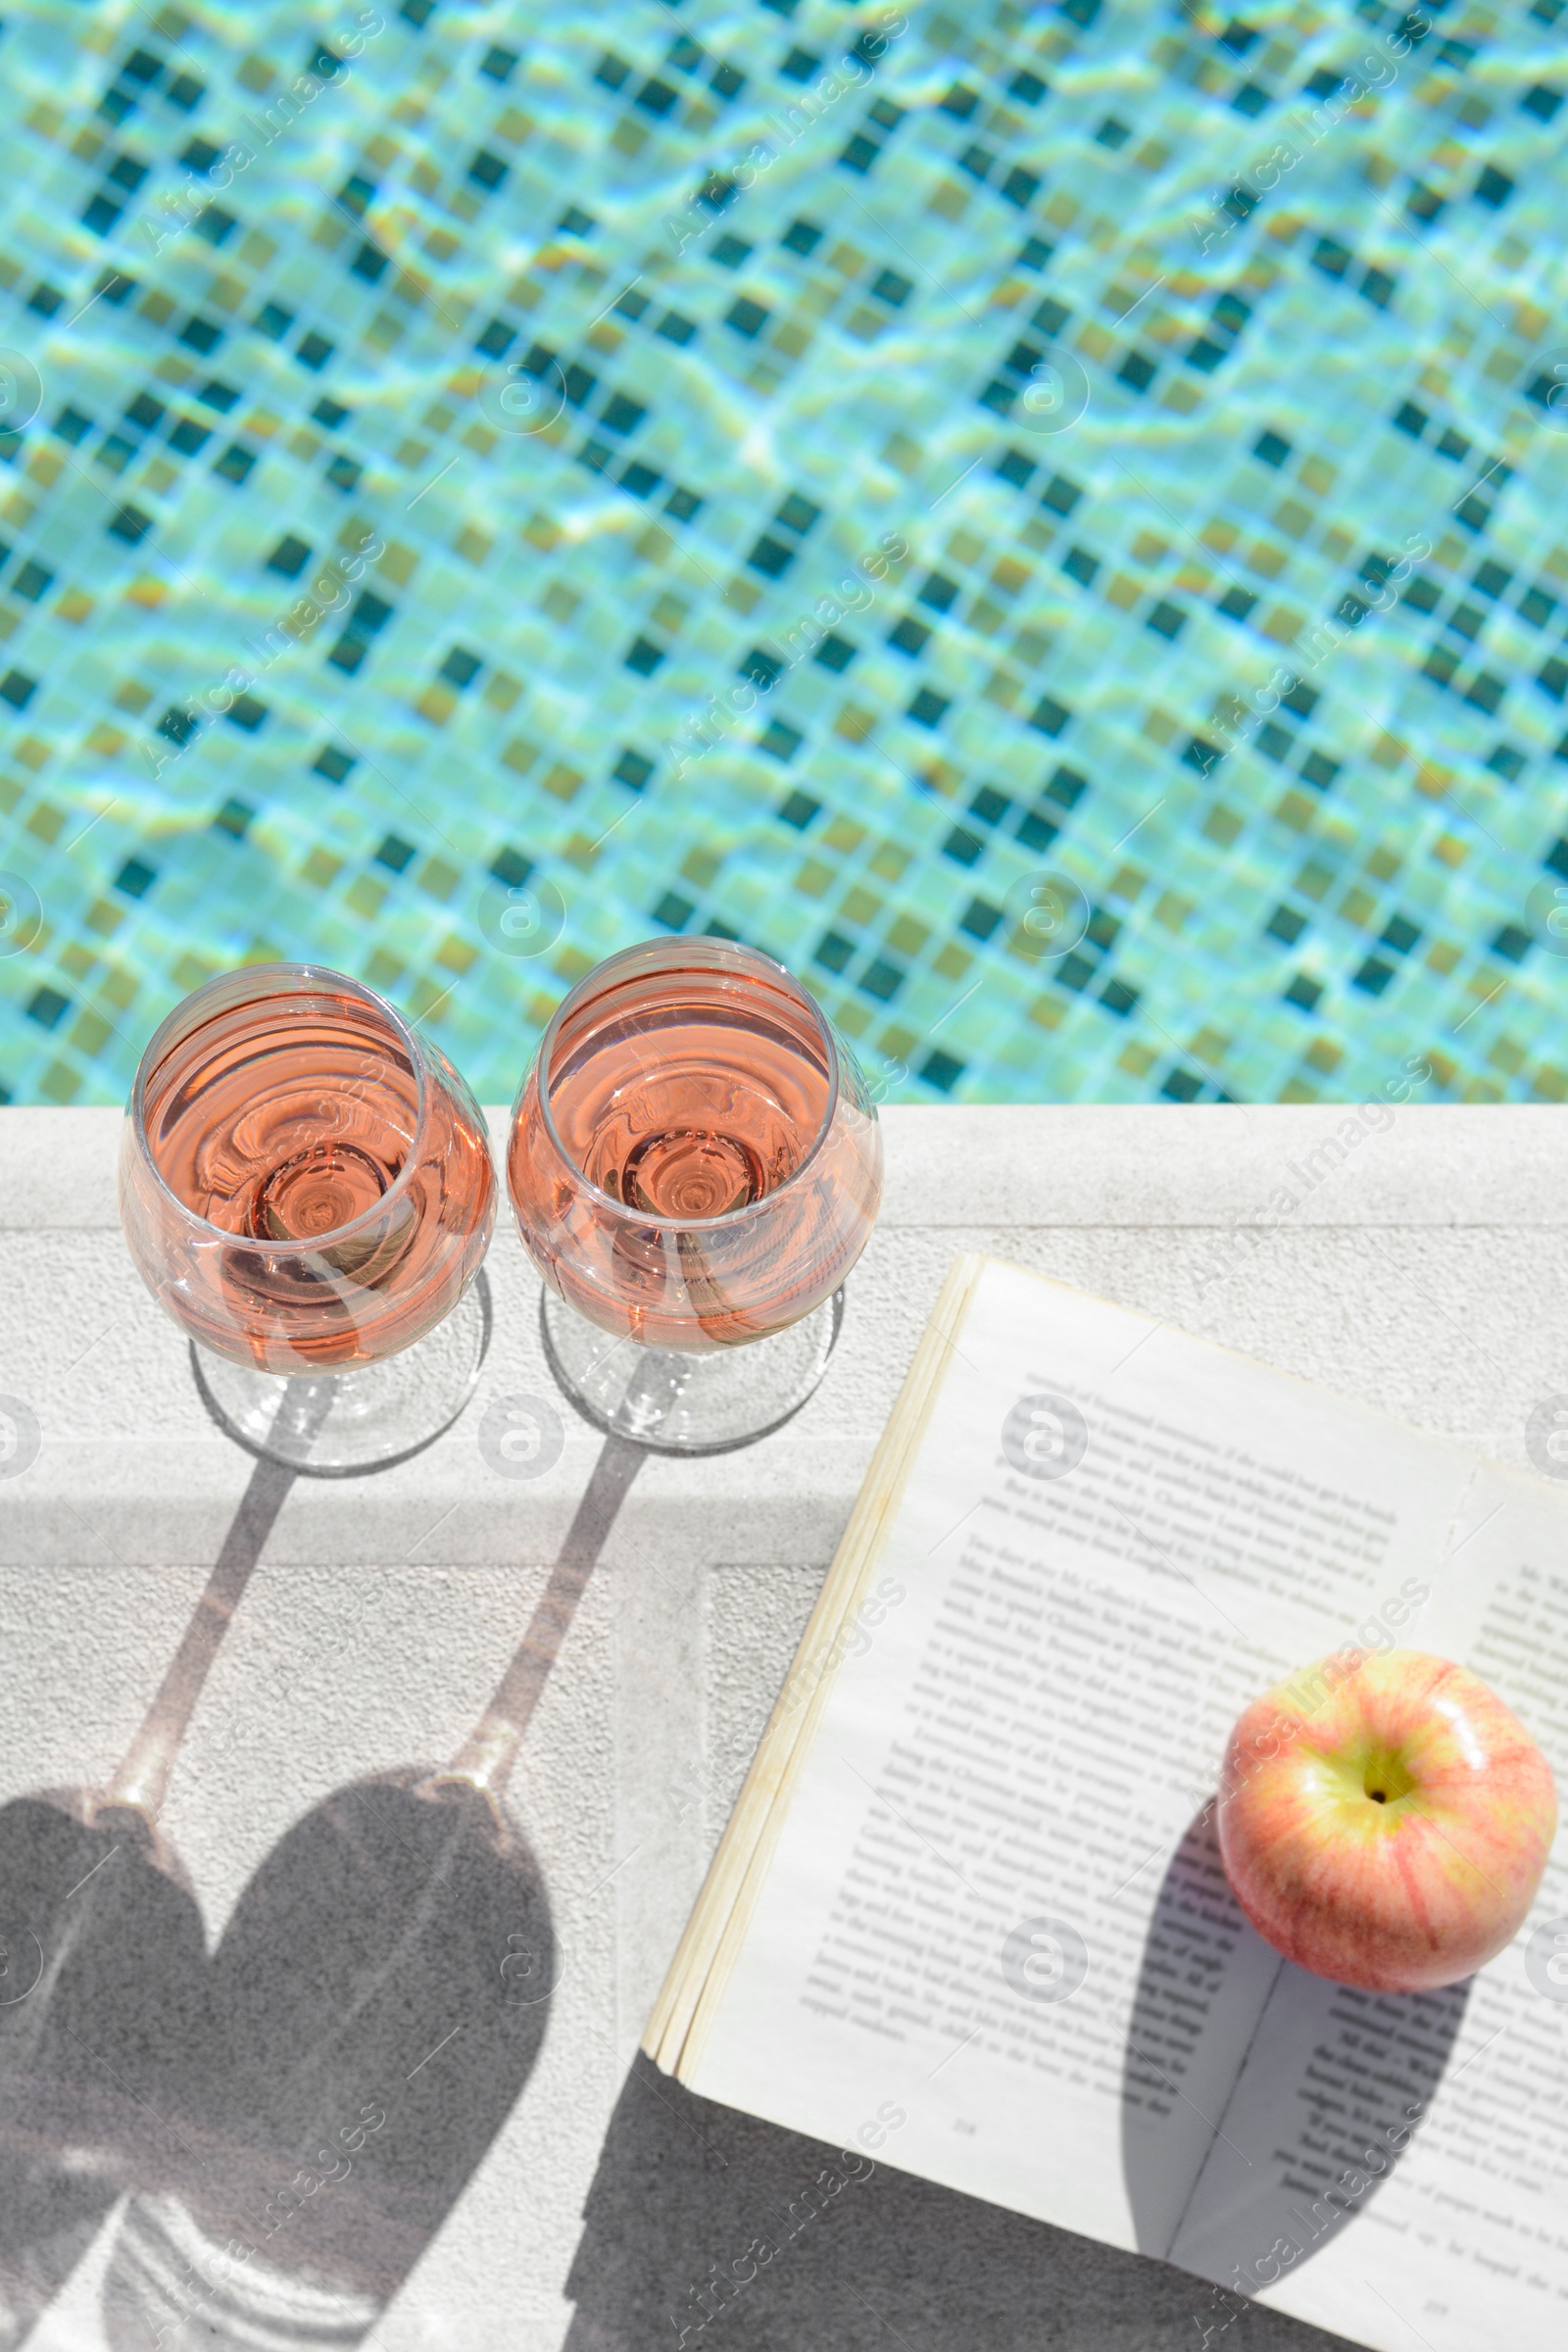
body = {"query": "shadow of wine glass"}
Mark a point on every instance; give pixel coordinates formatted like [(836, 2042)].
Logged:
[(375, 2009), (102, 1967), (1302, 2149), (371, 2015), (106, 1953)]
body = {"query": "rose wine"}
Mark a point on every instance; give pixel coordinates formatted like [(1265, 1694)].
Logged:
[(292, 1120), (693, 1161), (699, 1118)]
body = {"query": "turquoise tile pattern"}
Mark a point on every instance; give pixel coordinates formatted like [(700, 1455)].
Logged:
[(1048, 519)]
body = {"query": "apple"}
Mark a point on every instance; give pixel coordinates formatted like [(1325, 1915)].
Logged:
[(1384, 1819)]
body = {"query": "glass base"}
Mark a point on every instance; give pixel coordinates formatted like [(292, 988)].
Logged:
[(340, 1424), (679, 1400)]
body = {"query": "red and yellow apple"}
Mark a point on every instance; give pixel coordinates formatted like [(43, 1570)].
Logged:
[(1384, 1819)]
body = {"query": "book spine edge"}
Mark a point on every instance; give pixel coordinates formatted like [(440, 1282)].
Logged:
[(689, 1997)]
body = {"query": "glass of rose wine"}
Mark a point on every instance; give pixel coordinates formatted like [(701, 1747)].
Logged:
[(696, 1164), (306, 1189)]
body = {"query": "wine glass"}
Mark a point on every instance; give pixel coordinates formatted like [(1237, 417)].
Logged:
[(696, 1164), (306, 1188)]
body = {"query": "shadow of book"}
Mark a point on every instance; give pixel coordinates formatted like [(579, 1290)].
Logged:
[(1334, 2084), (705, 2226)]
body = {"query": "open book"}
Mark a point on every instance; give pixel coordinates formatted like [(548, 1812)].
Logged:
[(969, 1913)]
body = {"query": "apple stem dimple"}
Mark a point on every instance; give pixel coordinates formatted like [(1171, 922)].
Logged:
[(1385, 1776)]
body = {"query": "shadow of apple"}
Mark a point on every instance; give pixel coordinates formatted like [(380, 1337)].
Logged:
[(1328, 2100)]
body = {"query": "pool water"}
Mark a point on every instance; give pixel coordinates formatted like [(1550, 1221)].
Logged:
[(1046, 520)]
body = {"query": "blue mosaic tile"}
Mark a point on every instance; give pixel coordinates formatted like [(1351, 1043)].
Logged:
[(1044, 518)]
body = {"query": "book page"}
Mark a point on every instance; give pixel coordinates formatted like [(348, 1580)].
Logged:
[(838, 1621), (993, 1909), (1396, 2166)]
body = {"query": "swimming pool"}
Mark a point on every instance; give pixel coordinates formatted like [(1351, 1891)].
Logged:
[(1043, 519)]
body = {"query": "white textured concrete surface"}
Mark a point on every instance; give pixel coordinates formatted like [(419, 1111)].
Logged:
[(1425, 1271)]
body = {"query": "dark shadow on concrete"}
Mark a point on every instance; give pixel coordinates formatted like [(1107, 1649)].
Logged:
[(296, 2116), (375, 2007), (709, 2227), (372, 2012), (102, 1967), (108, 1959)]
